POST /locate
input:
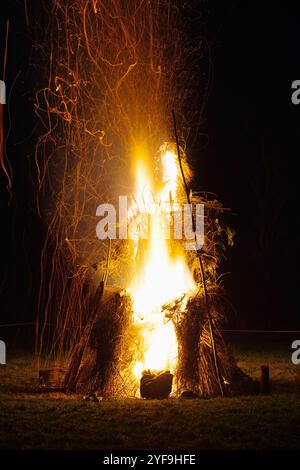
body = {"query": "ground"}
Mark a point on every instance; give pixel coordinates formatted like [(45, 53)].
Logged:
[(30, 419)]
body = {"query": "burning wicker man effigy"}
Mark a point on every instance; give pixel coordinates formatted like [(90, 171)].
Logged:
[(161, 335), (139, 316)]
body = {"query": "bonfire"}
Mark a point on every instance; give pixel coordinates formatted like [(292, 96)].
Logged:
[(139, 316)]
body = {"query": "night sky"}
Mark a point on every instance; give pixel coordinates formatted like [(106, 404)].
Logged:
[(246, 153), (250, 161)]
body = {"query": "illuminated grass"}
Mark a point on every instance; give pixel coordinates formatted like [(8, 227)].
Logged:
[(29, 419)]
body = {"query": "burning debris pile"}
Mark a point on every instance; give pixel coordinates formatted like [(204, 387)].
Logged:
[(138, 315), (160, 328)]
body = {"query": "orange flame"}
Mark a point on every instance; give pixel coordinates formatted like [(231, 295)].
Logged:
[(161, 277)]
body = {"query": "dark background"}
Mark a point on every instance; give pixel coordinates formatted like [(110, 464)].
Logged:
[(246, 153), (251, 159)]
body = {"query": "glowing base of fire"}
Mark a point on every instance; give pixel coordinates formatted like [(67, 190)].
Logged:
[(162, 276), (160, 349)]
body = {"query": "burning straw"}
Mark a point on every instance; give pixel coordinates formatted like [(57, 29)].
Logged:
[(116, 71)]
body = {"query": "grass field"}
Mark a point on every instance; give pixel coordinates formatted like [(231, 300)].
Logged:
[(30, 419)]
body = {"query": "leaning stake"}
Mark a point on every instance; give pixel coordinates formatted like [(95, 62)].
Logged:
[(198, 252)]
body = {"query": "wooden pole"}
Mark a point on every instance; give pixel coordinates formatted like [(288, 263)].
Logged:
[(198, 252), (265, 379)]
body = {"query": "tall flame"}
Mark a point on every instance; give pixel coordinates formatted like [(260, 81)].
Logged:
[(162, 276)]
